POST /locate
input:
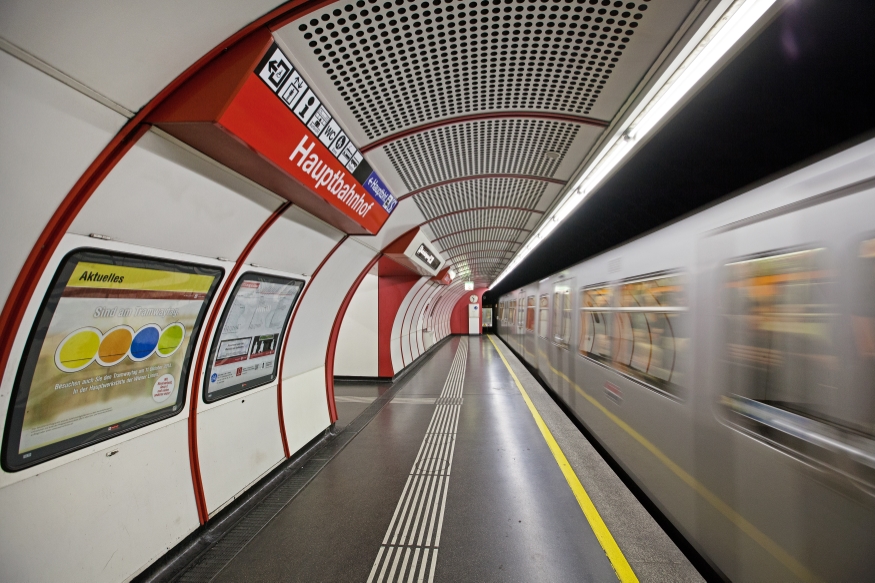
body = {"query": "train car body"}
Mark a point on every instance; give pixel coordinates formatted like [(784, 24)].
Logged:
[(726, 362)]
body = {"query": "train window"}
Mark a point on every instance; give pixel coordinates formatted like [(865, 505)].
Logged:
[(109, 352), (779, 316), (595, 327), (562, 315), (651, 332), (520, 313), (530, 314), (643, 336), (543, 315), (245, 352), (783, 370), (501, 312), (860, 411)]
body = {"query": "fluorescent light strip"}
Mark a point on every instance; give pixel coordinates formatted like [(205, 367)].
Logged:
[(716, 37)]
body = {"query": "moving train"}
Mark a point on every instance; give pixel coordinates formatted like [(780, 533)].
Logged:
[(727, 363)]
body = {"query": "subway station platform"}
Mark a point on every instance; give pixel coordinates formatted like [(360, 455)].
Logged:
[(462, 470)]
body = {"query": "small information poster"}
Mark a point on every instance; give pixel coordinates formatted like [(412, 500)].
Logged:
[(245, 352), (110, 352)]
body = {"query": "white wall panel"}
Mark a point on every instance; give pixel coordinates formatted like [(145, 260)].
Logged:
[(305, 407), (400, 331), (50, 135), (165, 196), (308, 339), (128, 51), (409, 325), (100, 519), (357, 349), (296, 243), (238, 442)]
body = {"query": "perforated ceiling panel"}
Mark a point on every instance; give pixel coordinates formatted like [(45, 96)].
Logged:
[(506, 146), (513, 192), (449, 97), (403, 63), (479, 218)]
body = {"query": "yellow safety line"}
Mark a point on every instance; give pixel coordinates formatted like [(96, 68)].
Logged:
[(615, 555), (737, 519)]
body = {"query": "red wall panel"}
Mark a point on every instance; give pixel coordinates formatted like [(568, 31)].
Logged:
[(459, 319), (391, 291)]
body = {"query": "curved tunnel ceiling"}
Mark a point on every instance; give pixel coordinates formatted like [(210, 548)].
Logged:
[(477, 113)]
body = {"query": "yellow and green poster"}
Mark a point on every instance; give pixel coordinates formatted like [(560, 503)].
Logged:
[(111, 348)]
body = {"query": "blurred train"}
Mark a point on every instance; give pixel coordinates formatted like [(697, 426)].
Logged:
[(727, 363)]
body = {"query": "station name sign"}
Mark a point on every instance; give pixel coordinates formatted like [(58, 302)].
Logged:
[(254, 112), (314, 156)]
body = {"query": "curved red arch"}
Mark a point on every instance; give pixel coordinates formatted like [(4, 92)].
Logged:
[(480, 229), (482, 177), (444, 250), (198, 371), (279, 385), (519, 114), (482, 208)]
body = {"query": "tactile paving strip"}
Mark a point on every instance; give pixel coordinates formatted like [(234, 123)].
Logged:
[(211, 562)]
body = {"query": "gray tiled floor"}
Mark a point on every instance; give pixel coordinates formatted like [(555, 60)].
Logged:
[(509, 513)]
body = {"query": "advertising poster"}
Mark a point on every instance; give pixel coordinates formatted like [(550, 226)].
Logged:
[(487, 317), (110, 350), (244, 354)]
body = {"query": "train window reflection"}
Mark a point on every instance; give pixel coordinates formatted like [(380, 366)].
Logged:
[(543, 315), (562, 315), (595, 331), (530, 314), (639, 329), (521, 313), (780, 319)]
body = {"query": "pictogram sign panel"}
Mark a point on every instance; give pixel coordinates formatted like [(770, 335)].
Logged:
[(253, 111)]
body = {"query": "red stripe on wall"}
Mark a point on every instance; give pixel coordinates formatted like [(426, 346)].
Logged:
[(335, 332), (279, 386), (197, 376)]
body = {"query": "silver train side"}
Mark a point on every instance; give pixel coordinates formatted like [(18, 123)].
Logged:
[(727, 362)]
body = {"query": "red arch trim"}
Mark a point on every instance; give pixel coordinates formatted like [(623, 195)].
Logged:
[(493, 115), (482, 177), (335, 331), (480, 229), (482, 208), (506, 241), (197, 376), (479, 253), (279, 386)]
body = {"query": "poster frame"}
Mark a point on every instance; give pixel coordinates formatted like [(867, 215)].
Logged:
[(217, 337), (45, 313)]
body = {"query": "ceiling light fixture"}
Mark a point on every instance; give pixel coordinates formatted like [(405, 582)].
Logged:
[(720, 32)]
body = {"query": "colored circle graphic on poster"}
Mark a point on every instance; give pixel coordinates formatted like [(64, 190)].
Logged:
[(87, 345)]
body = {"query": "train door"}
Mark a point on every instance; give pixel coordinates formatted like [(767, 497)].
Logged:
[(529, 335), (790, 329), (520, 322), (560, 355), (543, 327)]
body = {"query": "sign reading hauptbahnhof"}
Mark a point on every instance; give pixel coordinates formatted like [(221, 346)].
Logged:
[(324, 158), (253, 111)]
